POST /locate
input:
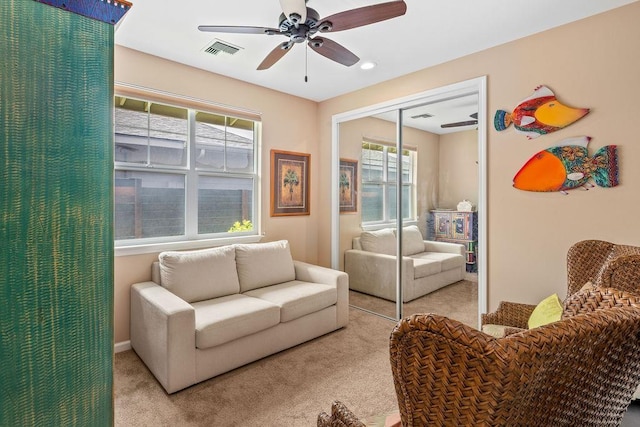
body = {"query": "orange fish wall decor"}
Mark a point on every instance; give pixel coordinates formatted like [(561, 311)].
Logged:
[(539, 114), (568, 166)]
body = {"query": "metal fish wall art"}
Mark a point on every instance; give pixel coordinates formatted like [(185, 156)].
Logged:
[(539, 114), (567, 166)]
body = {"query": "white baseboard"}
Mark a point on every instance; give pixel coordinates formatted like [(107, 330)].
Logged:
[(122, 346)]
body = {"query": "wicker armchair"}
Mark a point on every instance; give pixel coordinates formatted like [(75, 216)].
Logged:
[(581, 370), (341, 416), (604, 264)]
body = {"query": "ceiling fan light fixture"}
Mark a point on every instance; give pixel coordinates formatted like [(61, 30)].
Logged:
[(325, 27), (368, 65)]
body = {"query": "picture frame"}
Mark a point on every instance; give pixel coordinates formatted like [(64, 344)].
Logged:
[(290, 183), (348, 186)]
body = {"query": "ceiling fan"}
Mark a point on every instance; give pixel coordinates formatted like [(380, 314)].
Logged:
[(301, 23), (474, 116)]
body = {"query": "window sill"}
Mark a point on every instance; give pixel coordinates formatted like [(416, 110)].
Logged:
[(184, 245)]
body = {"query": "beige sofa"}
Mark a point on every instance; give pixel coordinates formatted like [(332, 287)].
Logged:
[(209, 311), (427, 265)]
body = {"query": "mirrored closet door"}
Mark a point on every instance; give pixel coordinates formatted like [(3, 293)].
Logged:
[(391, 174)]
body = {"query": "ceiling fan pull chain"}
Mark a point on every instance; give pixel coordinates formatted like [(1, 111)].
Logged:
[(306, 60)]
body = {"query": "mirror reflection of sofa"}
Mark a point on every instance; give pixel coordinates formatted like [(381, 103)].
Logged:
[(427, 265)]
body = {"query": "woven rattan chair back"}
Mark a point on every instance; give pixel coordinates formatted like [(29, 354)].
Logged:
[(581, 371), (604, 264)]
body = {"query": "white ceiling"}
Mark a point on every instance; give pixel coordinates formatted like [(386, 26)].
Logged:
[(431, 32)]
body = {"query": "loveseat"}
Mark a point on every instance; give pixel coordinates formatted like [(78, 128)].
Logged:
[(209, 311), (427, 265)]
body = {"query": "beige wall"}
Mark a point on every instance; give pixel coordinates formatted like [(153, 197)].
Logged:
[(458, 171), (590, 63), (289, 123)]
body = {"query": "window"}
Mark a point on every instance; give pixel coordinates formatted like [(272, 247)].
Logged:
[(379, 186), (182, 174)]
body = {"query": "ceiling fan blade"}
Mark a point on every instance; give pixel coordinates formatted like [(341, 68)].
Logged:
[(457, 124), (238, 29), (294, 7), (364, 16), (334, 51), (275, 55)]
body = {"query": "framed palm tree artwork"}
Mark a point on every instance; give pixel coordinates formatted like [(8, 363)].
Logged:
[(289, 183), (348, 183)]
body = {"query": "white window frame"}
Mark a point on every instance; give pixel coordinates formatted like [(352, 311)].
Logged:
[(386, 183), (191, 239)]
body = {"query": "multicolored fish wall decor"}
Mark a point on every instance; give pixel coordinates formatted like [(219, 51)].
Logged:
[(539, 114), (568, 166)]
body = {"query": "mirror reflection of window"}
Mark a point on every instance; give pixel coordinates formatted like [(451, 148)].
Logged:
[(379, 187)]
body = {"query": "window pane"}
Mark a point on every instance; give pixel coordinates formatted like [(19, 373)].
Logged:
[(372, 202), (147, 133), (131, 136), (240, 139), (406, 202), (223, 201), (392, 160), (168, 135), (148, 204), (372, 163), (407, 209), (407, 161), (224, 143)]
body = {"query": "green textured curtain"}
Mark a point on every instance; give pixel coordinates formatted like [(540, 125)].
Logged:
[(56, 227)]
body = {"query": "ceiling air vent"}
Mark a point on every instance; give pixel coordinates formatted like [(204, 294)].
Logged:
[(218, 46)]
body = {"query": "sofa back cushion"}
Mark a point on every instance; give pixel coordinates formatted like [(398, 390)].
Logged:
[(264, 264), (200, 275), (412, 241), (379, 241)]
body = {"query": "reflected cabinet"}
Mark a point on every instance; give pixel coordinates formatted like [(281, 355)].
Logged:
[(456, 227)]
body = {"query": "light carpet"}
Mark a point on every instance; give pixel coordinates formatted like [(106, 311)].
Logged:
[(289, 388)]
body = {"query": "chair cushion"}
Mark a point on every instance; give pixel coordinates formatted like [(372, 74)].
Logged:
[(201, 274), (447, 260), (379, 241), (225, 319), (423, 267), (296, 298), (264, 264), (412, 240), (549, 310), (496, 331)]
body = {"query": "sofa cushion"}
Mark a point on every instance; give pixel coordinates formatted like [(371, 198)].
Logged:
[(379, 241), (423, 267), (201, 274), (447, 260), (296, 298), (264, 264), (412, 241), (225, 319)]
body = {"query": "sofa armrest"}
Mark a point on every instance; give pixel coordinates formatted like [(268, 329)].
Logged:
[(375, 273), (453, 248), (318, 274), (163, 334)]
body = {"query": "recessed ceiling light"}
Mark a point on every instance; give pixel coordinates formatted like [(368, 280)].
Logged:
[(367, 65)]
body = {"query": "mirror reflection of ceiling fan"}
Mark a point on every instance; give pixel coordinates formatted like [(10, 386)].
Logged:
[(301, 23), (474, 116)]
